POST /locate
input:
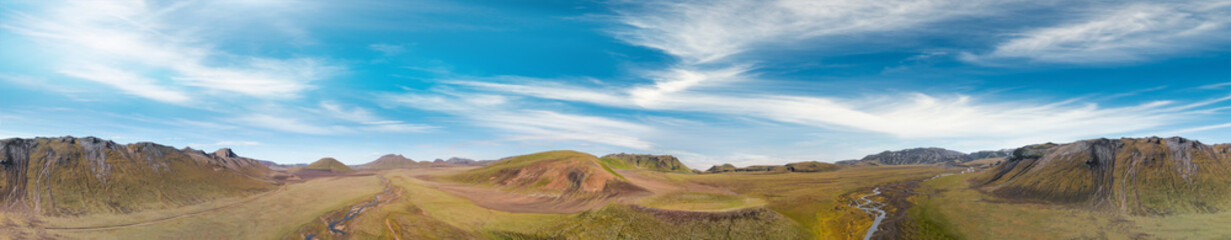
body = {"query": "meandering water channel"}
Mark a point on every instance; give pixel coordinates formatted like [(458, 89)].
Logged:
[(354, 212), (874, 208)]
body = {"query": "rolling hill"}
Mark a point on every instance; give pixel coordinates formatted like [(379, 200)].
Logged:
[(70, 176), (391, 161), (1147, 176), (665, 163), (564, 172), (328, 164)]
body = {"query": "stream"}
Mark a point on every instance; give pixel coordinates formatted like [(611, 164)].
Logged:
[(355, 211), (874, 208)]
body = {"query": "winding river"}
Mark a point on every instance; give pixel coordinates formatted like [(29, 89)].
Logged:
[(874, 208)]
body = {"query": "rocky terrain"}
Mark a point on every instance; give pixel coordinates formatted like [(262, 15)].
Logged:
[(78, 176), (1145, 176), (666, 163), (912, 156), (1003, 153), (812, 166)]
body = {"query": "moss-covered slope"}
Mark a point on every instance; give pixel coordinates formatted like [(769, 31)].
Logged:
[(1150, 176), (71, 176), (567, 172), (329, 164), (665, 163)]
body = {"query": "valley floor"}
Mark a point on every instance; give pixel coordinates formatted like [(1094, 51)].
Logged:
[(950, 208), (417, 204)]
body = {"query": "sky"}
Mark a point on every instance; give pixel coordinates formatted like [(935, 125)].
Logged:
[(711, 82)]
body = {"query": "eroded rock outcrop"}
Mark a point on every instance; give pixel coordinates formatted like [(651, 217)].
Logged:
[(1146, 176)]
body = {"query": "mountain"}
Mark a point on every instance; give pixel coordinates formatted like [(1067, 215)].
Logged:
[(811, 166), (391, 161), (914, 156), (1002, 153), (462, 161), (328, 164), (1147, 176), (70, 176), (277, 166), (563, 172), (665, 163)]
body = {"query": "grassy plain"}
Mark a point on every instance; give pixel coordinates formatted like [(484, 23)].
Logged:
[(266, 217), (424, 212), (950, 208), (814, 199), (694, 201), (777, 205)]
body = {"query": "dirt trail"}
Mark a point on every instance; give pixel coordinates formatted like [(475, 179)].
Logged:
[(391, 231), (161, 220)]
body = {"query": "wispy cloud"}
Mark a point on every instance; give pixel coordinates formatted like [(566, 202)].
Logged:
[(495, 112), (141, 43), (909, 116), (1120, 33), (329, 119), (225, 144), (708, 31), (387, 49), (130, 83)]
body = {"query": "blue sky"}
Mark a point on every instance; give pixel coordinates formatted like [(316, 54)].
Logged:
[(722, 81)]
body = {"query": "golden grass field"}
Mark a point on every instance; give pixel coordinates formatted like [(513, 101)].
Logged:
[(951, 208), (796, 205), (267, 216), (808, 202)]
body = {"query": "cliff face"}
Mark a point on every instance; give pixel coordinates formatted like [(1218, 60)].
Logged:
[(1150, 176), (917, 156), (75, 176)]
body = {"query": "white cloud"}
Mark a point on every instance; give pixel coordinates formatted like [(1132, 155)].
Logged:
[(287, 124), (139, 39), (709, 31), (329, 119), (529, 124), (908, 116), (387, 49), (130, 83), (1121, 33), (368, 121)]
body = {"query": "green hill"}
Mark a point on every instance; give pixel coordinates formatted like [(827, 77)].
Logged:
[(568, 172), (79, 176), (665, 163), (329, 164), (392, 161), (1150, 176)]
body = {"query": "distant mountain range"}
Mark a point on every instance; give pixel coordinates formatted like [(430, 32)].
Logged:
[(70, 176), (925, 156)]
